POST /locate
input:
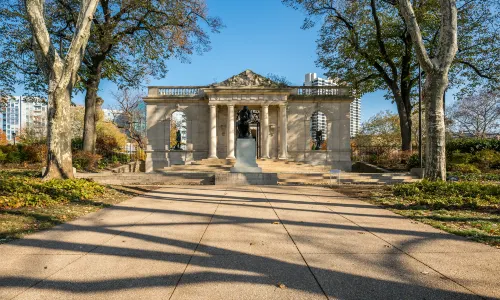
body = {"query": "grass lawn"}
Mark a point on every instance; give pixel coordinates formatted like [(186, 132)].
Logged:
[(28, 205), (479, 221)]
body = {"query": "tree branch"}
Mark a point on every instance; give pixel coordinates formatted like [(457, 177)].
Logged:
[(406, 9)]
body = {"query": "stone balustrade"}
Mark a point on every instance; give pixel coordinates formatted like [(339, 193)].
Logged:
[(175, 91), (302, 91), (321, 91)]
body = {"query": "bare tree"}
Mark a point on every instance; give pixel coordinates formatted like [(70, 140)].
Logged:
[(476, 114), (436, 81), (61, 75), (130, 115)]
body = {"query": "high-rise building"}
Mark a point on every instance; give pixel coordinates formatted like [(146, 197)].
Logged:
[(21, 113), (355, 116), (311, 79)]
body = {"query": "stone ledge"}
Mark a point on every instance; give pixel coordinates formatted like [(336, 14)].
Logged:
[(246, 179)]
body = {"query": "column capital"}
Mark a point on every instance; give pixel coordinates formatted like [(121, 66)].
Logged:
[(264, 105), (230, 105), (282, 104), (212, 105)]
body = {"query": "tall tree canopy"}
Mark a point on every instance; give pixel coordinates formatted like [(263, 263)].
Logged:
[(367, 44), (129, 40), (60, 74)]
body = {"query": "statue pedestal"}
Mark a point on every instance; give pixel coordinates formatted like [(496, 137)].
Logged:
[(246, 158)]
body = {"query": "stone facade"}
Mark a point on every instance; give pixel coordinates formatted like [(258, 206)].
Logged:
[(285, 120)]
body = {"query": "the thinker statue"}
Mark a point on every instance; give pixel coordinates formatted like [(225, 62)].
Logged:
[(245, 116)]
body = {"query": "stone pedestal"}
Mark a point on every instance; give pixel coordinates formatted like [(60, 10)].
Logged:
[(179, 157), (246, 157)]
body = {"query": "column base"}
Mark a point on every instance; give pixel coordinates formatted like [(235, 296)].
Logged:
[(213, 156), (231, 157), (283, 158)]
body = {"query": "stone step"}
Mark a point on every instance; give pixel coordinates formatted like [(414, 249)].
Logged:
[(207, 178)]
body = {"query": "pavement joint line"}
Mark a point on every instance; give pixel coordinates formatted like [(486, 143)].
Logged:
[(195, 249), (403, 251), (78, 258), (293, 241)]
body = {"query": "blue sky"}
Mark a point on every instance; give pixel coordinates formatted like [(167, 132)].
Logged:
[(261, 35)]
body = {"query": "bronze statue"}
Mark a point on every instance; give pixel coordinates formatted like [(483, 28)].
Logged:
[(243, 124), (319, 139), (178, 138)]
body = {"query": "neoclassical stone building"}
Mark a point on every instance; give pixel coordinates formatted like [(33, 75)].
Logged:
[(281, 126)]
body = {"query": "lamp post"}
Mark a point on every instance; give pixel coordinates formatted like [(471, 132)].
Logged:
[(420, 154), (14, 137)]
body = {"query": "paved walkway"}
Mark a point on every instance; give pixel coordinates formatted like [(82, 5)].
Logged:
[(207, 242)]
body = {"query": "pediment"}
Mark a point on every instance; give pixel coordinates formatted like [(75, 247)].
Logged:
[(247, 78)]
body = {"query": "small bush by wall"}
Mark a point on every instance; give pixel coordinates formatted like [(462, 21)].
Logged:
[(83, 160)]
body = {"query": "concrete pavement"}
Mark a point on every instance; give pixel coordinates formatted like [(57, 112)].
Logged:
[(273, 242)]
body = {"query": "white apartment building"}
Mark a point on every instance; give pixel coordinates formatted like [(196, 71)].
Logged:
[(311, 79), (20, 113)]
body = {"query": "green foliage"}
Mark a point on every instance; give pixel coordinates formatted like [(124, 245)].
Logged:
[(83, 160), (3, 157), (22, 190), (460, 158), (380, 130), (14, 157), (32, 153), (414, 161), (472, 145), (475, 176), (488, 159), (440, 194), (466, 168)]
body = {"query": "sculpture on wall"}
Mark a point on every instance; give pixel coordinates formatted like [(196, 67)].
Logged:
[(178, 138), (319, 139), (243, 124)]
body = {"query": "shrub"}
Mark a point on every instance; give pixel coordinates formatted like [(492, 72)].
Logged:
[(449, 194), (465, 168), (475, 176), (109, 139), (14, 157), (487, 159), (23, 190), (35, 153), (460, 158), (83, 160), (472, 145), (3, 156), (414, 161)]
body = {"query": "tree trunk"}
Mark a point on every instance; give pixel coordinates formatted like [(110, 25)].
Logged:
[(90, 118), (435, 152), (404, 121), (59, 159)]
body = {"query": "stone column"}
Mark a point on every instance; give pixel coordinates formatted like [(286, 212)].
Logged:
[(212, 150), (265, 131), (283, 130), (230, 131)]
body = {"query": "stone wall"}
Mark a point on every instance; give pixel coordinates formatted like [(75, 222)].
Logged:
[(158, 128), (337, 115)]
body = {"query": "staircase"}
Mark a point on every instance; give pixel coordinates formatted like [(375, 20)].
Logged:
[(289, 172)]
